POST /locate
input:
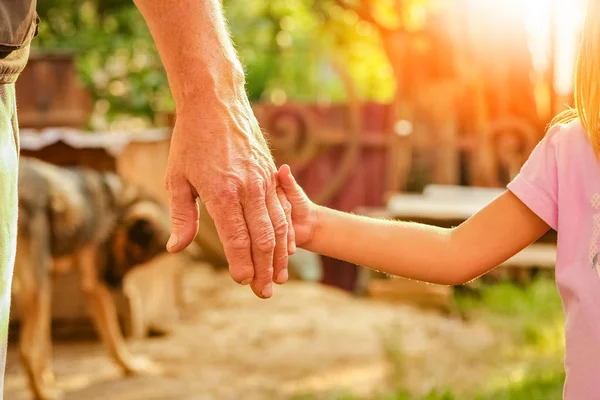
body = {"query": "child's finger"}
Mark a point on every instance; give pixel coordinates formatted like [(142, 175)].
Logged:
[(288, 183)]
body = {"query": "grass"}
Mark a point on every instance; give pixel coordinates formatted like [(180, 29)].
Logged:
[(532, 312), (533, 388), (533, 320), (531, 317)]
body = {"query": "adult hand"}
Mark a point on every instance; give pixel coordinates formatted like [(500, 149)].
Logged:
[(218, 153)]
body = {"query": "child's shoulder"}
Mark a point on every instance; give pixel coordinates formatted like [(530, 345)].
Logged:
[(570, 144), (567, 134)]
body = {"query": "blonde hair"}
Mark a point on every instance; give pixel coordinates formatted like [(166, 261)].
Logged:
[(586, 88)]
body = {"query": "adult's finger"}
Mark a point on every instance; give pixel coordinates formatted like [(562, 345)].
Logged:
[(262, 235), (287, 209), (184, 213), (229, 220), (280, 228)]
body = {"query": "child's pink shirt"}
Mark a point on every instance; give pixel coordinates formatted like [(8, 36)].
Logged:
[(561, 184)]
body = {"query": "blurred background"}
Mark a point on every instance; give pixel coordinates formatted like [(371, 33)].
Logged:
[(417, 110)]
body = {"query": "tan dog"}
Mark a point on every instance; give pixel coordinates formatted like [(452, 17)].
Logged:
[(77, 218)]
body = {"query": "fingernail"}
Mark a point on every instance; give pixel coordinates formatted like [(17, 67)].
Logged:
[(173, 240), (267, 291), (292, 247), (246, 282), (282, 277)]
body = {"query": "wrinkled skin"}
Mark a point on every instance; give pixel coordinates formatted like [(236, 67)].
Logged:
[(218, 152), (236, 179)]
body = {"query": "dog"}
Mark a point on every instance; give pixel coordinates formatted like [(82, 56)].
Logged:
[(92, 222)]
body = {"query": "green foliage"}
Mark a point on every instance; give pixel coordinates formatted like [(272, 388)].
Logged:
[(543, 387), (533, 317), (534, 311), (116, 57), (288, 48)]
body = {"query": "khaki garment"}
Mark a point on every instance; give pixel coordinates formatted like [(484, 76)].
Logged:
[(9, 166), (18, 26)]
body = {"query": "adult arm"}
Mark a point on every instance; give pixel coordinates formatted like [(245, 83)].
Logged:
[(218, 152)]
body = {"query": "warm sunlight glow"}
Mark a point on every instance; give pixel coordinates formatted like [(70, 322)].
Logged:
[(567, 19), (542, 18)]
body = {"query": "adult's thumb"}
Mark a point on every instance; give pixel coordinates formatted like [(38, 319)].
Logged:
[(184, 215)]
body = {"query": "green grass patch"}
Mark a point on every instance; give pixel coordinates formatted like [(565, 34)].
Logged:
[(531, 318), (533, 313)]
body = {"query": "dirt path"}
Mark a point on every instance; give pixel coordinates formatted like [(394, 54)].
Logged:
[(309, 338)]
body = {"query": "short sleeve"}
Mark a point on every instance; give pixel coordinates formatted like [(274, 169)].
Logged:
[(536, 185)]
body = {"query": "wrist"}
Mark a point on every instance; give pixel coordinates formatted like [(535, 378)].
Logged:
[(212, 85)]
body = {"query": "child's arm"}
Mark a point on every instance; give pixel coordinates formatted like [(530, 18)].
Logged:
[(416, 251)]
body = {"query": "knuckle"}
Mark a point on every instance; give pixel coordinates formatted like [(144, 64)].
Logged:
[(178, 220), (240, 243), (238, 239), (264, 273), (265, 243), (180, 196), (256, 187), (272, 178), (229, 190), (181, 217), (280, 227)]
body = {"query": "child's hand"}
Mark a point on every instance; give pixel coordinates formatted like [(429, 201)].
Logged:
[(303, 210)]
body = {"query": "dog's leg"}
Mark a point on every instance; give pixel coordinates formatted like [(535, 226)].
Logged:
[(139, 327), (34, 298), (105, 317)]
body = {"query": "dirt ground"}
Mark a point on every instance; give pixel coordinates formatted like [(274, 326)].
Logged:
[(308, 338)]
